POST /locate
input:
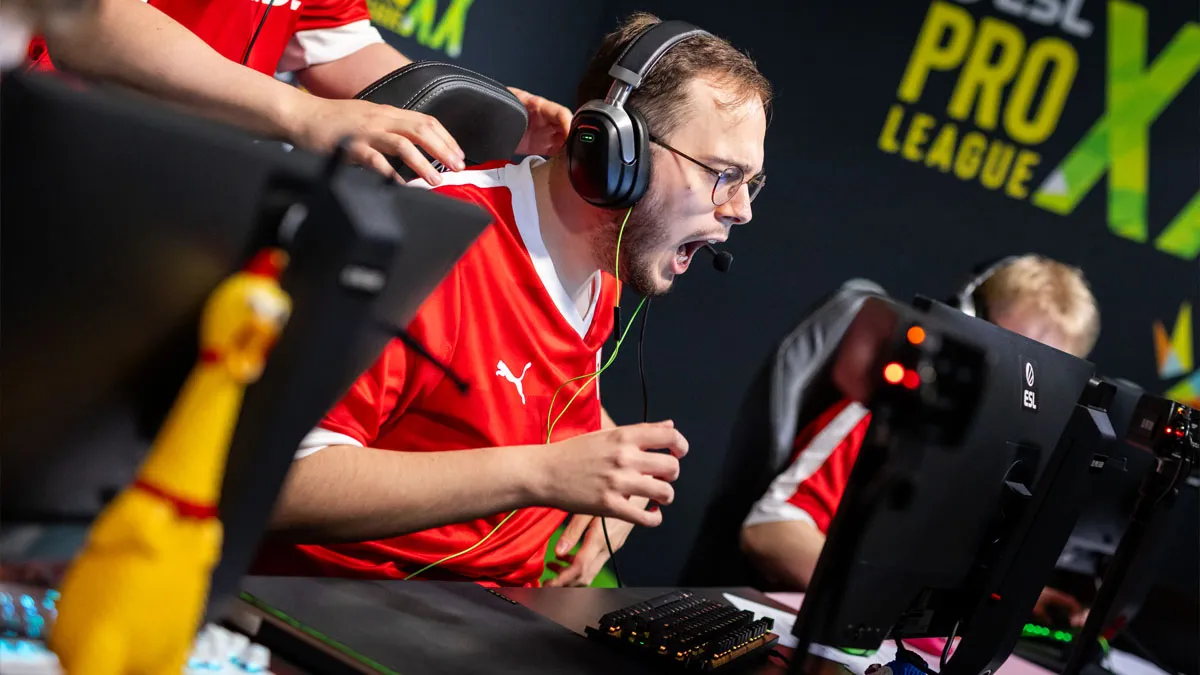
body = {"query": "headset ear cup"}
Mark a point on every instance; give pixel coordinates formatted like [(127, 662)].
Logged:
[(642, 161), (586, 159), (594, 162)]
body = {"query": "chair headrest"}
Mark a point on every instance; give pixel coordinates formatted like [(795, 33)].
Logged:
[(801, 360), (484, 117)]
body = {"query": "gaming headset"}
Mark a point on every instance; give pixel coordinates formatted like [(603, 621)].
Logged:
[(967, 299), (608, 149)]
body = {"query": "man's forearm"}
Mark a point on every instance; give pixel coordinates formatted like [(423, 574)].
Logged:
[(785, 553), (132, 43), (346, 493), (347, 76)]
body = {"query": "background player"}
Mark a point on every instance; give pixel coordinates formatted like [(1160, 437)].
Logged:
[(190, 51), (526, 310), (784, 532)]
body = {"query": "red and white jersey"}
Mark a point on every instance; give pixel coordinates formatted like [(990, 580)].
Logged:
[(503, 320), (810, 489), (294, 34)]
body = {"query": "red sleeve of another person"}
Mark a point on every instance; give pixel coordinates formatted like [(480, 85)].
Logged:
[(819, 494), (811, 487)]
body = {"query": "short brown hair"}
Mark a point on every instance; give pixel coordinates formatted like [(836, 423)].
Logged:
[(1055, 290), (662, 96)]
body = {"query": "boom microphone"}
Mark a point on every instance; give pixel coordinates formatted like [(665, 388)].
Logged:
[(721, 259)]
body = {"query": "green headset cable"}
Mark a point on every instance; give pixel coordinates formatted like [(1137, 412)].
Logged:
[(550, 408)]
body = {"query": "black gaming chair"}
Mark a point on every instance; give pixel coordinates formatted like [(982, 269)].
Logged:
[(485, 118), (791, 388)]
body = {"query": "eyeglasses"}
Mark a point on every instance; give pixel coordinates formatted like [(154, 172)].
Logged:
[(728, 181)]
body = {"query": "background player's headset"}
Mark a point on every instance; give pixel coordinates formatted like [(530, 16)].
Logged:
[(968, 299), (608, 160)]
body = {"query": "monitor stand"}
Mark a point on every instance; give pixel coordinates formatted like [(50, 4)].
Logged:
[(1027, 557)]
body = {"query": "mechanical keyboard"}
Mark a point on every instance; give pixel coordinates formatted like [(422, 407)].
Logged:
[(688, 632)]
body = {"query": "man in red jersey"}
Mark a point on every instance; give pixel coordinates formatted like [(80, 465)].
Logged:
[(175, 53), (406, 472), (783, 534)]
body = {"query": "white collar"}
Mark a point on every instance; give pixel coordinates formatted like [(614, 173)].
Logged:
[(519, 179)]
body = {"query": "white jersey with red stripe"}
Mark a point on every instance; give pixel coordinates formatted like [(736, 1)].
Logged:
[(810, 489)]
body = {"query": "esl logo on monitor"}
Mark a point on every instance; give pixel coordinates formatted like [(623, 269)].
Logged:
[(1029, 388)]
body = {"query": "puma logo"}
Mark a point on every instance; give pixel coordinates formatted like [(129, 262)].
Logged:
[(519, 382)]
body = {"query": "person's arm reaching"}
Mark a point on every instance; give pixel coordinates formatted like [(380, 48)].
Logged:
[(349, 493), (785, 552), (132, 43)]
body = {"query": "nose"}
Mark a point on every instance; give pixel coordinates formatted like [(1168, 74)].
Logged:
[(737, 210)]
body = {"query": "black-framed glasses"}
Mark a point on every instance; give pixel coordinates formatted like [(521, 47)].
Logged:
[(728, 181)]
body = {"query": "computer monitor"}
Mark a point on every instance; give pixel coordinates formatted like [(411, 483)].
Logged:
[(926, 538), (120, 216)]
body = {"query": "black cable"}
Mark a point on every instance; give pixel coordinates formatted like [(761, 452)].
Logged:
[(642, 364), (254, 37), (946, 647), (779, 655), (412, 343), (612, 555)]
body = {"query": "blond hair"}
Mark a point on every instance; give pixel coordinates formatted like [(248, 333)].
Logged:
[(1058, 292)]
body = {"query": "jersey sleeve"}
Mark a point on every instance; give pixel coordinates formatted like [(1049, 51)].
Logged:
[(394, 380), (810, 489), (328, 30)]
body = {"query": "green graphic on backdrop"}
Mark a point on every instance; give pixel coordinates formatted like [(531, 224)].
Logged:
[(1119, 141), (420, 19)]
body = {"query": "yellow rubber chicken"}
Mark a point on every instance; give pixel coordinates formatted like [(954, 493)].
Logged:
[(133, 599)]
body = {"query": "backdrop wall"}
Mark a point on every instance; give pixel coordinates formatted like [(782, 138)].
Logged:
[(910, 142)]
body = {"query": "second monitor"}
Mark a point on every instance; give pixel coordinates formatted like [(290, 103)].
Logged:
[(935, 536)]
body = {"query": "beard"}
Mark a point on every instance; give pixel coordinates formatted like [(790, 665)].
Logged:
[(644, 235)]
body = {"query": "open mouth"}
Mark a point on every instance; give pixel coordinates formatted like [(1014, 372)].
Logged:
[(683, 254)]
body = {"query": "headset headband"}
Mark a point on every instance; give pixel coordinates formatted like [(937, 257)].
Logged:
[(647, 48), (607, 149), (966, 295)]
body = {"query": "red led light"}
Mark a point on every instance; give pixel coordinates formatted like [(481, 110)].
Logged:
[(911, 379)]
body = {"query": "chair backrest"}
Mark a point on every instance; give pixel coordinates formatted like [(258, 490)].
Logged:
[(484, 117), (791, 388)]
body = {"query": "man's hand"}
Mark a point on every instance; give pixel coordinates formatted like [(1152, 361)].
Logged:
[(549, 124), (318, 124), (582, 567), (1055, 608), (597, 473)]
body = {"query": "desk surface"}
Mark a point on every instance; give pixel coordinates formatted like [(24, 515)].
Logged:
[(417, 628), (431, 627)]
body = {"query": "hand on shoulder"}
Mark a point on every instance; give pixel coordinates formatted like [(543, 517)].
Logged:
[(375, 130)]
